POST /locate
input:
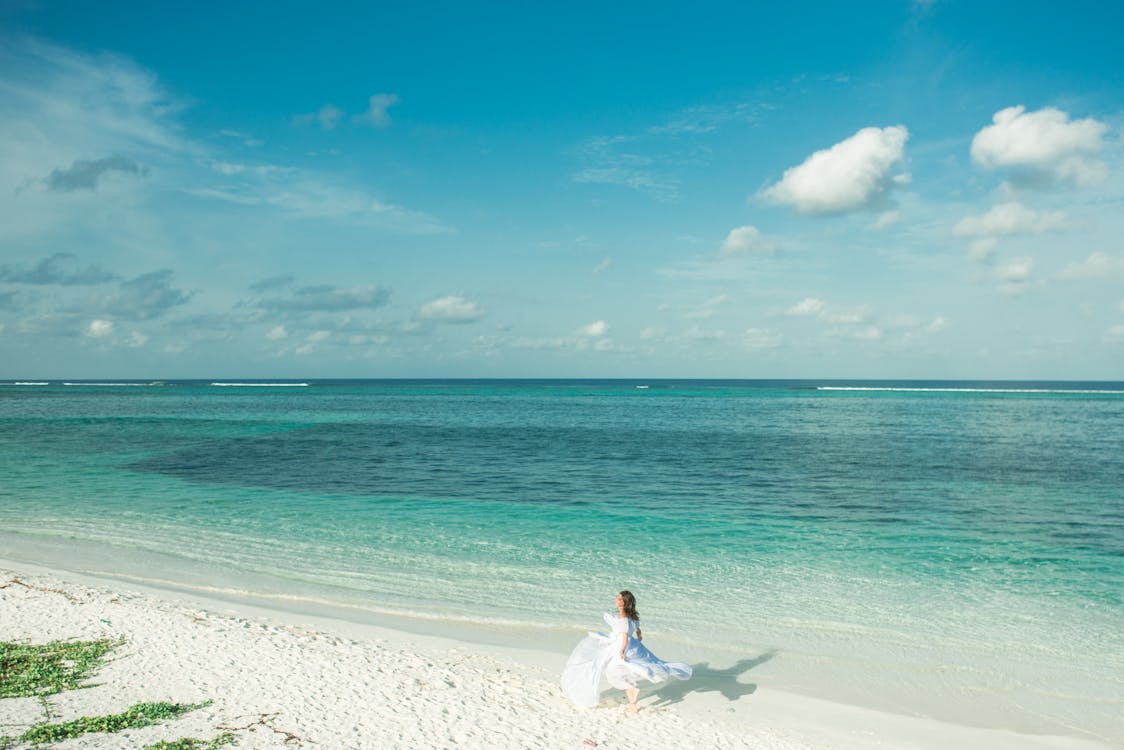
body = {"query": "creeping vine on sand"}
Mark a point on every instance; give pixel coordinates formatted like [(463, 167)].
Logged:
[(27, 670), (139, 715)]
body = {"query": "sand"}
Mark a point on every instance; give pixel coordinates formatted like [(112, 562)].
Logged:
[(280, 680)]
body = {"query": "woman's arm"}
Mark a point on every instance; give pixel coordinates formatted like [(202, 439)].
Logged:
[(624, 643)]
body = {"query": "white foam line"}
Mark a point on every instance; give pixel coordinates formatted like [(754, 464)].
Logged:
[(248, 594), (261, 385), (27, 382), (963, 390), (115, 385)]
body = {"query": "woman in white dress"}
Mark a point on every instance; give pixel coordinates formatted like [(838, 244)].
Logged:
[(619, 656)]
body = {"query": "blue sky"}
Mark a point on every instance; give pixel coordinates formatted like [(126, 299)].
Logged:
[(868, 190)]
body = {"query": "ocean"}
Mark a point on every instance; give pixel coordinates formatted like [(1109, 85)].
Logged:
[(944, 549)]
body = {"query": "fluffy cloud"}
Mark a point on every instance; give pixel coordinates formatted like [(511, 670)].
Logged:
[(452, 309), (84, 175), (328, 117), (148, 296), (594, 330), (886, 219), (376, 113), (1003, 220), (1043, 146), (747, 240), (1096, 266), (60, 269), (845, 177), (1015, 270), (99, 328), (806, 306), (1010, 219), (145, 297), (844, 317), (707, 309)]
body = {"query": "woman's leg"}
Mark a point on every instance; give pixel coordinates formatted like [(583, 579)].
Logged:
[(633, 694)]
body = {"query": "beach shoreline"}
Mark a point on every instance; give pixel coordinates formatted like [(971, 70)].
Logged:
[(274, 676)]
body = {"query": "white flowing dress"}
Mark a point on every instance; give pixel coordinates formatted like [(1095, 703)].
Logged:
[(599, 654)]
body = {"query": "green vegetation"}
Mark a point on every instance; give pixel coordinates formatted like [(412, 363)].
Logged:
[(140, 715), (190, 743), (27, 670)]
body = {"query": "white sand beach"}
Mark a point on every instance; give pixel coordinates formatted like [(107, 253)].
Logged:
[(282, 680)]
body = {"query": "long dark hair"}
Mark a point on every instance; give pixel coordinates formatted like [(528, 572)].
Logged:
[(630, 606)]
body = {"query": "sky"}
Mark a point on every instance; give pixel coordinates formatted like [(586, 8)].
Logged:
[(889, 189)]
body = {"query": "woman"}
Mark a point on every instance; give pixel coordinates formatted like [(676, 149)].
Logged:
[(619, 656)]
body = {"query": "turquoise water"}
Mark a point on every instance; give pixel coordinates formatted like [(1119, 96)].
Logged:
[(953, 550)]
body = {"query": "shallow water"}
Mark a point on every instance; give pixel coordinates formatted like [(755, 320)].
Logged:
[(946, 549)]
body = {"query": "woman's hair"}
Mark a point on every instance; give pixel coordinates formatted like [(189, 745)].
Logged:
[(630, 606)]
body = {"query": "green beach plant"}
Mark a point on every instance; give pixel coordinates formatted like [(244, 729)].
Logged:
[(46, 669), (190, 743), (139, 715)]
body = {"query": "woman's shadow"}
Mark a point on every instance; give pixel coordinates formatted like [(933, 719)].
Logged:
[(708, 679)]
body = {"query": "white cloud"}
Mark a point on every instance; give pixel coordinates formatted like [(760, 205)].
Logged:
[(937, 324), (708, 309), (329, 116), (1010, 219), (1015, 270), (1097, 266), (886, 218), (1042, 146), (696, 333), (136, 340), (845, 177), (277, 333), (228, 168), (99, 328), (747, 240), (602, 266), (1115, 333), (614, 160), (594, 330), (870, 333), (451, 309), (317, 336), (983, 248), (806, 306), (309, 197), (655, 332), (376, 113)]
